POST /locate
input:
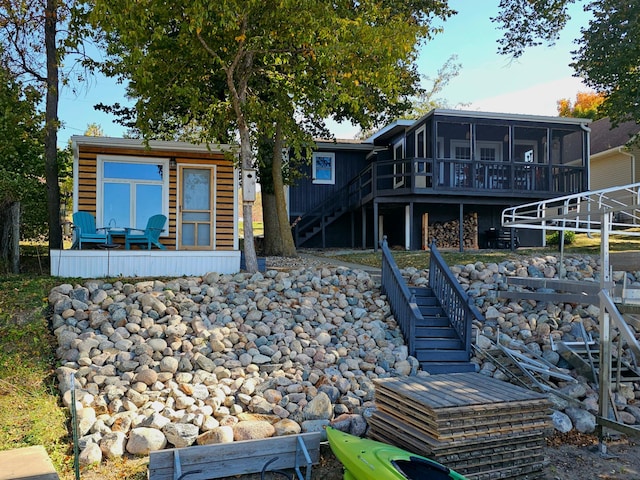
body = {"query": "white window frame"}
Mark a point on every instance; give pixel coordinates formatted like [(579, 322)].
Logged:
[(422, 130), (330, 155), (459, 143), (100, 179), (496, 146), (403, 169)]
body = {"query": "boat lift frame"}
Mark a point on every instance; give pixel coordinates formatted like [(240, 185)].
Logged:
[(610, 211)]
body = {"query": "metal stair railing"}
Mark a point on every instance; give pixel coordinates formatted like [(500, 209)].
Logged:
[(454, 300), (580, 212)]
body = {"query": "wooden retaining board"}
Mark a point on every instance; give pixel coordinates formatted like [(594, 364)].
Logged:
[(235, 458)]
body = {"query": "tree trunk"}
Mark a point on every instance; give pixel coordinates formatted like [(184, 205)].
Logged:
[(51, 126), (10, 237), (272, 238), (288, 246), (250, 257)]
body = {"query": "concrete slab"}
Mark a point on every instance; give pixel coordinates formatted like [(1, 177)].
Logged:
[(29, 463)]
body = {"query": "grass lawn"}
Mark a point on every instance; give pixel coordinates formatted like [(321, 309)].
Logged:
[(420, 259)]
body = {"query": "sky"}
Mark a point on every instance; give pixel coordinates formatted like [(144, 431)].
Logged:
[(487, 81)]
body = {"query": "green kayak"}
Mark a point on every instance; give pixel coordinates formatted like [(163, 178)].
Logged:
[(366, 459)]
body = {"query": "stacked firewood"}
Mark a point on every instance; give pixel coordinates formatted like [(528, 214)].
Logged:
[(447, 234)]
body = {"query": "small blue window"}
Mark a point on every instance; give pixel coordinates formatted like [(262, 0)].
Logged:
[(324, 168)]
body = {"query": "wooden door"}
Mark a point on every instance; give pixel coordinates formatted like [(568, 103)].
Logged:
[(196, 208)]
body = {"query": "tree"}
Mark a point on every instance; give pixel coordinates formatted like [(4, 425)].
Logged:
[(36, 36), (609, 56), (264, 66), (586, 105), (608, 51), (21, 166), (427, 100)]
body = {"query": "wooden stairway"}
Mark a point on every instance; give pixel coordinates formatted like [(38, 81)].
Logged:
[(438, 346)]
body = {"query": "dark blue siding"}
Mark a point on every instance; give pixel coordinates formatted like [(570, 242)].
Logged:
[(305, 194)]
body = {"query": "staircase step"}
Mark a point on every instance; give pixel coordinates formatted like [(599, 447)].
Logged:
[(435, 321), (431, 311), (436, 368), (438, 343), (427, 301), (436, 331), (430, 355)]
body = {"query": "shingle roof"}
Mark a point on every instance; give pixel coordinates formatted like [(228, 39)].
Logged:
[(604, 138)]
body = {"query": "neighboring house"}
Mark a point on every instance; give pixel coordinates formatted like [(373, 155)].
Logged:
[(615, 159), (123, 182), (416, 181)]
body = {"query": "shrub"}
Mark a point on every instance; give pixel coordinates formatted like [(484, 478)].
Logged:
[(554, 238)]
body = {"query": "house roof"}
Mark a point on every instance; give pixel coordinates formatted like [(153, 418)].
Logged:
[(399, 126), (343, 144), (509, 116), (138, 144), (604, 137), (389, 131)]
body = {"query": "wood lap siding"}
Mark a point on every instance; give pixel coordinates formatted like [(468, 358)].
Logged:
[(224, 193), (225, 212), (87, 172)]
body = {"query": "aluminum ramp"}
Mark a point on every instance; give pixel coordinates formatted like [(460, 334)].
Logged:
[(610, 211)]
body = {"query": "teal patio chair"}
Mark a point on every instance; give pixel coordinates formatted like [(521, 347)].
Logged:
[(149, 236), (85, 231)]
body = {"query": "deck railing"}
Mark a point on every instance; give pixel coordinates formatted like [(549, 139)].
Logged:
[(402, 302), (453, 299), (421, 175)]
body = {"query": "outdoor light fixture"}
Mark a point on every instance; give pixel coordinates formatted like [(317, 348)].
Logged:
[(172, 163)]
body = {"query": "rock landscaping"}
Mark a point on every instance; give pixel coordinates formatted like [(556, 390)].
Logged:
[(221, 358)]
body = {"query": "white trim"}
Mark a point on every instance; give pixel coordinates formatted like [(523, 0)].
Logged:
[(456, 142), (403, 170), (214, 210), (133, 143), (423, 130), (102, 158), (510, 116), (142, 263), (330, 181), (496, 145)]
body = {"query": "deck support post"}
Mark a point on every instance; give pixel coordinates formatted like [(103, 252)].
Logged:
[(461, 227), (408, 216), (363, 209), (376, 233)]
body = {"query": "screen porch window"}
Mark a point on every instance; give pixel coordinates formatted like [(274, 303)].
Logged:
[(324, 168), (129, 192)]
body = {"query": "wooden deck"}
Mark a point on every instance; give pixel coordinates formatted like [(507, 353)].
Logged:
[(479, 426)]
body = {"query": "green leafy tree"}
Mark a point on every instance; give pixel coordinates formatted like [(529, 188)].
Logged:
[(608, 57), (266, 68), (21, 160), (36, 36), (608, 52)]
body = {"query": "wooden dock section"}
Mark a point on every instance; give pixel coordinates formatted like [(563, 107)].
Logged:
[(481, 427)]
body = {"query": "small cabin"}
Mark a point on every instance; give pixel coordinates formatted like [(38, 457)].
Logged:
[(124, 182)]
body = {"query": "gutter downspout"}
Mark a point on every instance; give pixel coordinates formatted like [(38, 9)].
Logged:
[(587, 130)]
